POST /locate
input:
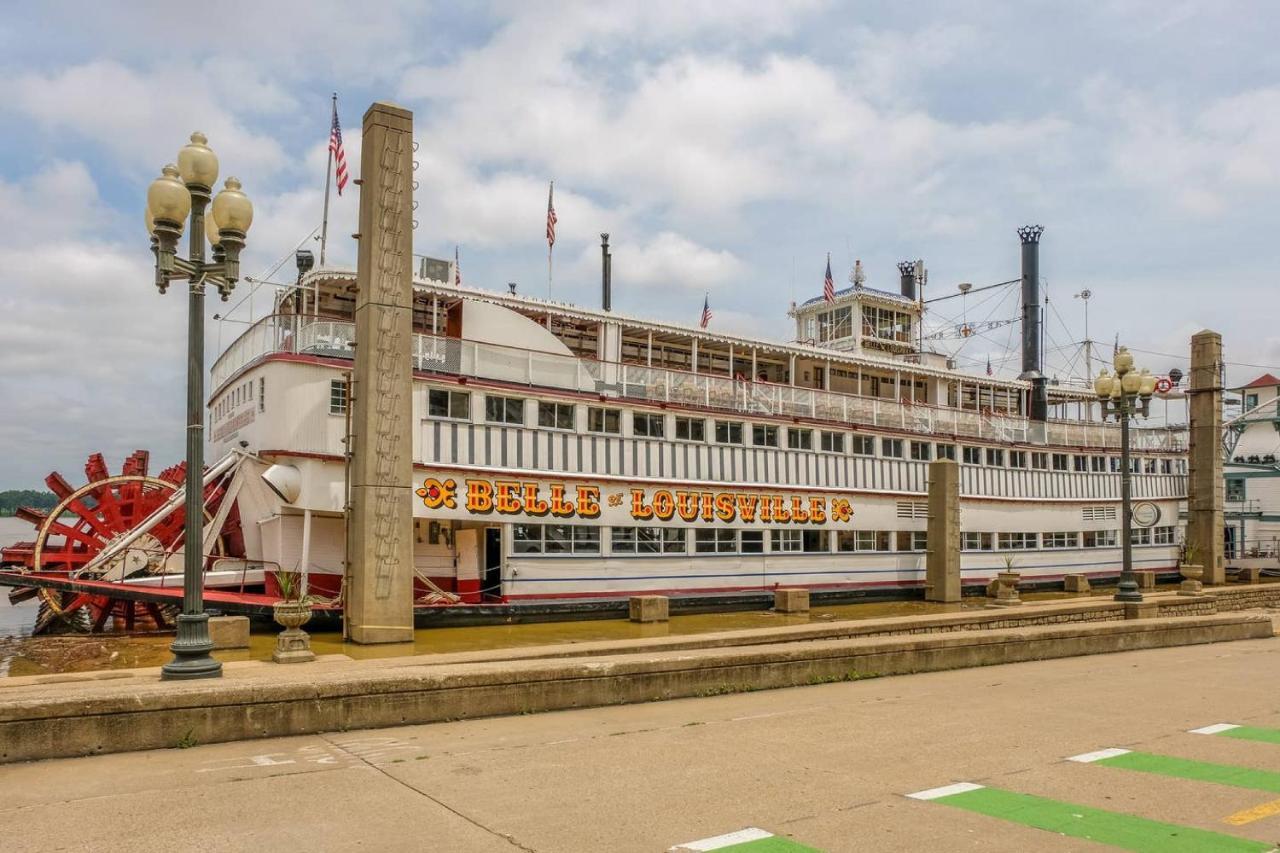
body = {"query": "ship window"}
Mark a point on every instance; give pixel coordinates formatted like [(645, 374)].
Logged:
[(787, 540), (504, 410), (1250, 401), (995, 457), (800, 439), (1114, 464), (1098, 464), (555, 415), (649, 426), (912, 540), (728, 432), (1140, 536), (1060, 462), (1080, 464), (891, 448), (862, 540), (945, 451), (977, 541), (555, 539), (863, 445), (1235, 489), (1039, 461), (1099, 538), (971, 455), (691, 429), (1162, 535), (764, 436), (1017, 459), (714, 541), (1059, 539), (753, 541), (920, 451), (337, 396), (604, 420), (1166, 466), (648, 540), (1016, 541), (262, 394), (832, 442), (449, 404)]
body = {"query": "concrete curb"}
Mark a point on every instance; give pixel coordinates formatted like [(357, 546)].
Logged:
[(141, 712)]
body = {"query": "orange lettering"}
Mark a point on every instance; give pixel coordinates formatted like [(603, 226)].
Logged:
[(798, 513), (817, 510), (588, 501), (639, 509), (724, 506), (663, 505), (747, 507), (559, 507), (507, 497), (687, 505), (533, 505), (479, 496)]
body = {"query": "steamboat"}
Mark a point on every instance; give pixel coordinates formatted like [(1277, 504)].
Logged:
[(567, 455)]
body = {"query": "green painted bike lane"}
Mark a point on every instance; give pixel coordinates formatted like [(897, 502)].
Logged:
[(1127, 832)]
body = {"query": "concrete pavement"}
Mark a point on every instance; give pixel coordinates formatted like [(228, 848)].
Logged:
[(827, 765)]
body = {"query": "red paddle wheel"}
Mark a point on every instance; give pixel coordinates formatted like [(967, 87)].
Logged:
[(89, 519)]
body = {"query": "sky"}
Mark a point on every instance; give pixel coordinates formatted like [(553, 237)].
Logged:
[(727, 147)]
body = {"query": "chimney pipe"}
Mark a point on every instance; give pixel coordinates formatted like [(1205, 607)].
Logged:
[(606, 273), (1032, 322), (907, 278)]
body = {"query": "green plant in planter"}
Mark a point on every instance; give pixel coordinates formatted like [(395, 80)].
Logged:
[(292, 588), (1009, 561), (1190, 553)]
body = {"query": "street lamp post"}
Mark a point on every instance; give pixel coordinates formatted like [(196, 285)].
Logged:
[(1121, 397), (180, 191)]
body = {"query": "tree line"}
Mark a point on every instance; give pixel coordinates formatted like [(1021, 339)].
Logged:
[(13, 498)]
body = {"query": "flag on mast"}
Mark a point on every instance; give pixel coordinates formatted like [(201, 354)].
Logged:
[(829, 284), (706, 312), (457, 268), (988, 365), (551, 216), (335, 148)]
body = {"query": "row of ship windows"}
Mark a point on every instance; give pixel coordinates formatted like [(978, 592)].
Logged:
[(242, 393), (602, 420), (576, 539)]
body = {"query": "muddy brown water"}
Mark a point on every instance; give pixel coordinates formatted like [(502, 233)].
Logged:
[(25, 655)]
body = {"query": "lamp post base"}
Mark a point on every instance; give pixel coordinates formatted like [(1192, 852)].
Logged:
[(191, 658), (1128, 591)]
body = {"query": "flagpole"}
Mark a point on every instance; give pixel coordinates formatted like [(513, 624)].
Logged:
[(328, 174)]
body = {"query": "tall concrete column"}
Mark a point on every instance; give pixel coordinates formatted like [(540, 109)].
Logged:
[(379, 592), (942, 565), (1204, 480)]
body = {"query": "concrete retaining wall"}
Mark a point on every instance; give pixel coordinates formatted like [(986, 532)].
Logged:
[(136, 712)]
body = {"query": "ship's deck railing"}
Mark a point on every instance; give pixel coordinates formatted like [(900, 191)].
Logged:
[(333, 339)]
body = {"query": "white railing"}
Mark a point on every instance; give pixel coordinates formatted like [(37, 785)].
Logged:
[(334, 338)]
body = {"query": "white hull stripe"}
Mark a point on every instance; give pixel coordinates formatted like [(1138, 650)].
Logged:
[(1090, 757), (945, 791), (1216, 728), (729, 839)]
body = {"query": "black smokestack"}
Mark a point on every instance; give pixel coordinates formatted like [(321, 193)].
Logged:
[(907, 278), (1032, 317), (606, 273)]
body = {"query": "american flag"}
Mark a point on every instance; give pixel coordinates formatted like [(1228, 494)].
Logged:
[(706, 312), (988, 365), (335, 148), (829, 284), (551, 216), (457, 268)]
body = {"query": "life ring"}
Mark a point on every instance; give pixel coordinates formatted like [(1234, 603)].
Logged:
[(1163, 385)]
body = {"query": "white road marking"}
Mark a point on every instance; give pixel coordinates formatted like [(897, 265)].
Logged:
[(742, 836), (1099, 755), (1216, 728), (945, 791)]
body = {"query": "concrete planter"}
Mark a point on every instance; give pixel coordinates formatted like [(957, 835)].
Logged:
[(1191, 574), (1007, 588), (293, 645)]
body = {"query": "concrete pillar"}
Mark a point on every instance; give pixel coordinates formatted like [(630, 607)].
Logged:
[(648, 608), (1204, 479), (379, 591), (1075, 583), (942, 563), (229, 632)]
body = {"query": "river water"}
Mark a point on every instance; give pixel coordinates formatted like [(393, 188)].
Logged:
[(15, 621)]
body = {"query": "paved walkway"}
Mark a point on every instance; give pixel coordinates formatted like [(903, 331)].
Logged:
[(828, 767)]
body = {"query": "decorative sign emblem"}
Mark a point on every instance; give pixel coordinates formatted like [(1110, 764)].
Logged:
[(1146, 514)]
